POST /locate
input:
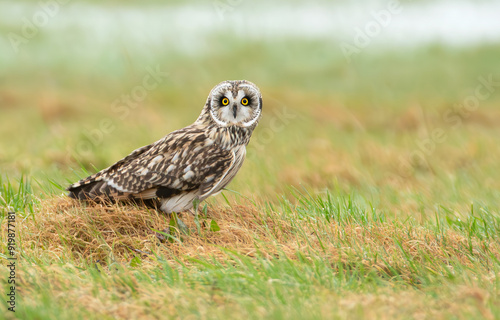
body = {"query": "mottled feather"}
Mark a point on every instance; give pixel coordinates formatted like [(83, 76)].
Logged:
[(192, 163)]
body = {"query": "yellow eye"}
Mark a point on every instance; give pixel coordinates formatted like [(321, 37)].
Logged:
[(225, 101), (244, 101)]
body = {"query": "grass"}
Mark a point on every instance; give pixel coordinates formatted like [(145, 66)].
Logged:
[(336, 131), (344, 209), (324, 257)]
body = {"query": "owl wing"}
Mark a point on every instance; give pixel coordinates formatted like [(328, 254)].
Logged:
[(169, 173), (182, 161)]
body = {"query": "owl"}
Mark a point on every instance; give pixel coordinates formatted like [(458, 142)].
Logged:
[(187, 165)]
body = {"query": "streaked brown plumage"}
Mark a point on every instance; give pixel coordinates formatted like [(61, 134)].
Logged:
[(188, 164)]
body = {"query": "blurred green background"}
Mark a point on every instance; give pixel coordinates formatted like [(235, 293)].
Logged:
[(375, 171), (373, 99)]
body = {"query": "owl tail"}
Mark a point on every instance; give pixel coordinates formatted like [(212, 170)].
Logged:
[(100, 192), (95, 190)]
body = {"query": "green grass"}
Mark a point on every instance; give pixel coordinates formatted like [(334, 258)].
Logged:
[(355, 263), (352, 126), (329, 218)]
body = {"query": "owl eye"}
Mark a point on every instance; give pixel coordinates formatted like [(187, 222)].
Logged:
[(225, 101), (244, 101)]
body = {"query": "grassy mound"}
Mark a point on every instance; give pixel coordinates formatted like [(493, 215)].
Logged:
[(252, 261), (64, 227)]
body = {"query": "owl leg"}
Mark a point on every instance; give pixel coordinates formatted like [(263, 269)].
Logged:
[(196, 205), (181, 226), (177, 226)]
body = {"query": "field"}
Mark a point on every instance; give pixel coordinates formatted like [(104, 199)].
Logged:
[(370, 190)]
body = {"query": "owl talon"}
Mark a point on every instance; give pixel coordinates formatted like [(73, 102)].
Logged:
[(161, 235), (168, 234)]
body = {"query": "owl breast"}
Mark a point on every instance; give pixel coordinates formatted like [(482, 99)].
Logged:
[(239, 157), (184, 201)]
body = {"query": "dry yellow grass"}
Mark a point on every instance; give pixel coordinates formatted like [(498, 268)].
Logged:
[(108, 262), (65, 227)]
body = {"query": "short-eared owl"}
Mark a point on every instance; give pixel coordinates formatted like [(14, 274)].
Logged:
[(188, 164)]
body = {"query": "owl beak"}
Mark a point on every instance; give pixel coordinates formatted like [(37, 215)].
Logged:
[(235, 110)]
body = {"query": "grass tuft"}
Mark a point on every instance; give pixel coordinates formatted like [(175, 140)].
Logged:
[(264, 261)]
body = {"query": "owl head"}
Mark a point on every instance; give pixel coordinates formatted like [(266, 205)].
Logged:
[(234, 103)]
